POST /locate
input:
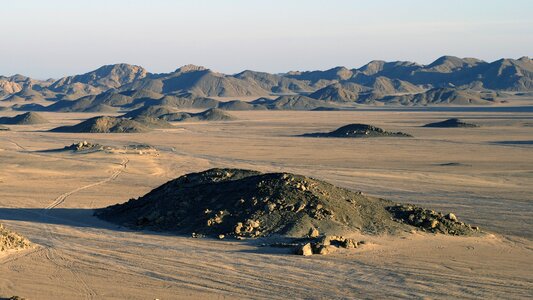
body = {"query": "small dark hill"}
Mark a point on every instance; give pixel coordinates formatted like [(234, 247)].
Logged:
[(213, 114), (154, 111), (451, 123), (357, 131), (29, 118), (240, 105), (106, 124), (295, 103), (244, 203)]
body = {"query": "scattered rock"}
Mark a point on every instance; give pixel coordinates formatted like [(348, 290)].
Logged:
[(429, 220), (306, 250), (10, 240), (451, 217)]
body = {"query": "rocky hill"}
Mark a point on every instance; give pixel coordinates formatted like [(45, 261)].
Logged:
[(443, 96), (29, 118), (375, 80), (357, 131), (212, 114), (106, 124), (243, 203)]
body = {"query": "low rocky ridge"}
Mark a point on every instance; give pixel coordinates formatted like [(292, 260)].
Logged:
[(430, 220), (357, 131), (170, 114), (10, 240), (451, 123), (213, 114), (107, 124), (29, 118), (248, 204), (88, 147), (4, 128)]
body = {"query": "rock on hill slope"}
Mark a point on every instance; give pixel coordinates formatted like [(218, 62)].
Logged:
[(357, 131), (244, 203), (29, 118)]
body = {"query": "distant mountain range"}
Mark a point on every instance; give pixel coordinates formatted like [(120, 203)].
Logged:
[(448, 80)]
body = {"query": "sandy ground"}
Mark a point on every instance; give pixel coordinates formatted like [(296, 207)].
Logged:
[(48, 197)]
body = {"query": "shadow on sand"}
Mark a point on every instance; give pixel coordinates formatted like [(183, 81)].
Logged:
[(527, 142), (84, 218)]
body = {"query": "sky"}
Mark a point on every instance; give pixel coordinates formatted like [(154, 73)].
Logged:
[(55, 38)]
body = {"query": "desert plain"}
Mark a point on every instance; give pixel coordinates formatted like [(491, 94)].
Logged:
[(483, 175)]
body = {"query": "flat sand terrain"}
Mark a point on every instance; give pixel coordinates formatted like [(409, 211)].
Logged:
[(484, 175)]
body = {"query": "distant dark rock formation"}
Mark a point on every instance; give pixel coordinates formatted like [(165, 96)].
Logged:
[(451, 123), (357, 131)]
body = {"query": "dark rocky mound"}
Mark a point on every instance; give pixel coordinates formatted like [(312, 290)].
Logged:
[(10, 240), (213, 114), (430, 220), (240, 105), (154, 111), (243, 203), (3, 128), (29, 118), (293, 103), (451, 123), (358, 131), (106, 124), (322, 108)]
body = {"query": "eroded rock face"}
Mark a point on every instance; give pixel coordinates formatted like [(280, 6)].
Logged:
[(10, 240)]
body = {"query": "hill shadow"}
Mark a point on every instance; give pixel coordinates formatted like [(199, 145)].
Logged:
[(525, 142), (73, 217), (85, 218)]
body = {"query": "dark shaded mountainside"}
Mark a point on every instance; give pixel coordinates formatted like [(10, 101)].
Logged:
[(448, 80)]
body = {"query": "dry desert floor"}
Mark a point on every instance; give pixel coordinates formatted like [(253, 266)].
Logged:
[(484, 175)]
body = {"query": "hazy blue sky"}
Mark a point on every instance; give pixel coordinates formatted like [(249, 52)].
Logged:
[(54, 38)]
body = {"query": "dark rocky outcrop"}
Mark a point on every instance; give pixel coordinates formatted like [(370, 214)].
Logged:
[(357, 131), (451, 123)]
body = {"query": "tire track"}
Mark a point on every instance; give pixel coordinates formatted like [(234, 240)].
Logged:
[(61, 198), (54, 256)]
